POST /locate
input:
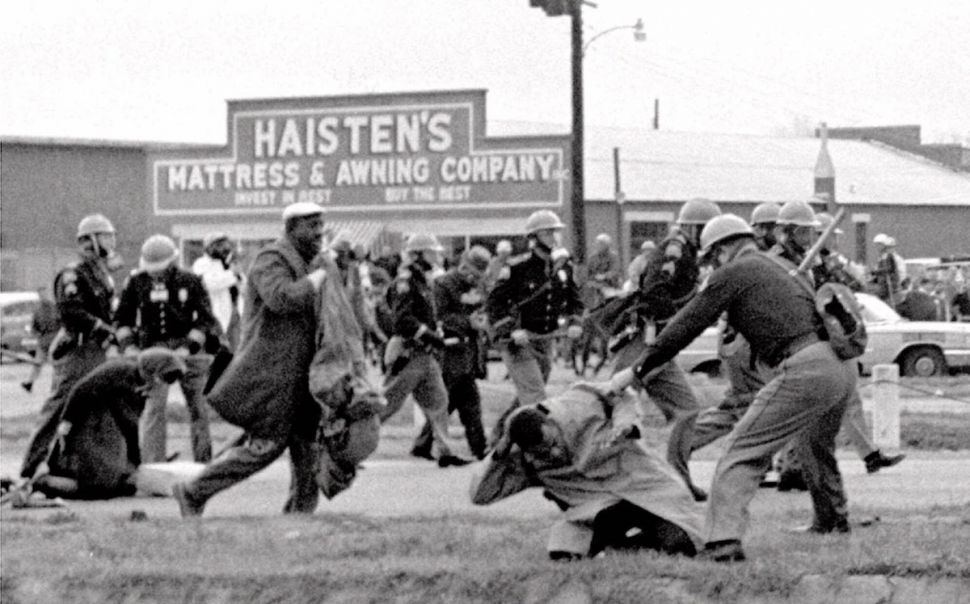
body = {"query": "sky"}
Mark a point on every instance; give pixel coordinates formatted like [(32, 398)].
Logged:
[(162, 70)]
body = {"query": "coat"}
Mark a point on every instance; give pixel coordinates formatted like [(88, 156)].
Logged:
[(600, 474), (101, 450), (265, 389)]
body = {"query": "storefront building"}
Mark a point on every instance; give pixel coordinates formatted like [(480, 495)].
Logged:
[(389, 165)]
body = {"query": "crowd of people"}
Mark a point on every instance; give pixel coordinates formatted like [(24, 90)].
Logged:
[(282, 351)]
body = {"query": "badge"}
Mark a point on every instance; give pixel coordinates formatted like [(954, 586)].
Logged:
[(68, 277), (70, 289), (183, 295), (158, 294), (562, 275)]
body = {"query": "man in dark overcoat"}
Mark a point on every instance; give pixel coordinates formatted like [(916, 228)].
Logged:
[(265, 389), (96, 452)]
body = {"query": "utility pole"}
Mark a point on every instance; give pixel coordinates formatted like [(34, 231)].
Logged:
[(578, 204)]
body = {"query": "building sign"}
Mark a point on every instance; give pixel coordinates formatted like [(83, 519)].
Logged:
[(367, 153)]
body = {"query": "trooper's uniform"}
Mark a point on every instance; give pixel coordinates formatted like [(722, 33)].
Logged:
[(806, 397), (461, 361), (171, 310), (534, 294), (667, 283), (416, 370), (83, 292)]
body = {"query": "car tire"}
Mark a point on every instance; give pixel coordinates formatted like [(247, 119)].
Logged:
[(924, 361)]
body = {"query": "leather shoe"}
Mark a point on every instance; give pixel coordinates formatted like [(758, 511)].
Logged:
[(876, 461), (452, 461), (723, 551), (187, 507)]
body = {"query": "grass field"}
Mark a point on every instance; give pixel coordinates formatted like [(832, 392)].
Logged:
[(912, 555)]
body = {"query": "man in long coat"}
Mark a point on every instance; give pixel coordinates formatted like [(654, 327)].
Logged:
[(265, 390), (96, 453), (588, 456)]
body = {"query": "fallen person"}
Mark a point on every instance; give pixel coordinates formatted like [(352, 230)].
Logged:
[(585, 450), (95, 454)]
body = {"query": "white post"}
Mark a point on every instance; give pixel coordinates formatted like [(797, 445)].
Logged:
[(885, 406)]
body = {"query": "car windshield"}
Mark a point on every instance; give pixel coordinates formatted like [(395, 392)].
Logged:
[(875, 310)]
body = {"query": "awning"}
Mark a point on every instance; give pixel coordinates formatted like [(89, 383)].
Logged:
[(371, 235)]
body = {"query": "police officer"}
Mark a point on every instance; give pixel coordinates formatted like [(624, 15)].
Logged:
[(796, 232), (528, 302), (805, 398), (163, 305), (459, 301), (83, 292), (764, 219), (668, 281), (411, 353)]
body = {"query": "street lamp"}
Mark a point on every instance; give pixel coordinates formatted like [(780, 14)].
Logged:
[(574, 8), (638, 34)]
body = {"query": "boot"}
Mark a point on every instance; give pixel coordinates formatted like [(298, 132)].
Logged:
[(876, 461)]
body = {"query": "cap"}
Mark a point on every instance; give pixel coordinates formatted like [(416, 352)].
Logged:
[(301, 209), (211, 238), (477, 257)]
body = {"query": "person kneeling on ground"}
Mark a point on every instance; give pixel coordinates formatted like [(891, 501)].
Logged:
[(584, 448), (96, 451)]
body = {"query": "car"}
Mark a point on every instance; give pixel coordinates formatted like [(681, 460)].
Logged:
[(920, 348), (16, 314)]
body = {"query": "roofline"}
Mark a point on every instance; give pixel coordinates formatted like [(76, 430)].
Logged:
[(97, 142)]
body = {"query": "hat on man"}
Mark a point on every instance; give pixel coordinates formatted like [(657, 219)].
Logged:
[(884, 239), (214, 237), (301, 209), (157, 253)]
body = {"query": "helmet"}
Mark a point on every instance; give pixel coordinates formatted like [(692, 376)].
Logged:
[(421, 242), (721, 228), (797, 213), (504, 247), (541, 220), (604, 239), (824, 220), (92, 224), (157, 253), (477, 257), (765, 213), (698, 211)]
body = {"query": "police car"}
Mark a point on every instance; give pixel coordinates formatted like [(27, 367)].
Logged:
[(920, 348)]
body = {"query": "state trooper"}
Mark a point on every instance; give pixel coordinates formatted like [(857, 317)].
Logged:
[(805, 397), (526, 305), (764, 219), (667, 283), (410, 357), (796, 231), (163, 305), (83, 292), (459, 301)]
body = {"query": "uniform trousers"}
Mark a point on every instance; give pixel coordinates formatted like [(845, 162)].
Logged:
[(250, 455), (666, 386), (699, 429), (152, 427), (463, 396), (805, 400), (421, 377), (529, 367), (67, 371)]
